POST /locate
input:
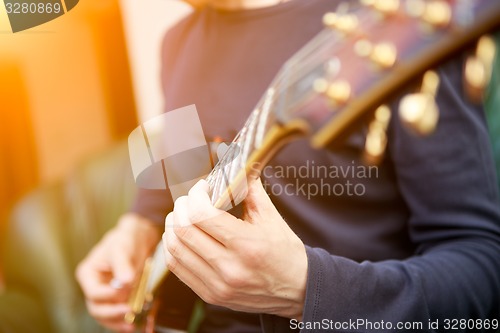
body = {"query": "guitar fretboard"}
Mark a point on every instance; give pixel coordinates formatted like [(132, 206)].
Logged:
[(290, 88)]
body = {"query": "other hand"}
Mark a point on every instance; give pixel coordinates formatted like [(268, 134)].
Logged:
[(107, 274)]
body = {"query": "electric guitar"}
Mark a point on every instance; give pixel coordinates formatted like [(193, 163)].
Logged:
[(340, 80)]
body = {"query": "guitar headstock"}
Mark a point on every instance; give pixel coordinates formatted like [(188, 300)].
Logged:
[(371, 51)]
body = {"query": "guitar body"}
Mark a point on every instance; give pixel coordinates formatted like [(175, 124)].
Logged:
[(173, 306), (171, 310)]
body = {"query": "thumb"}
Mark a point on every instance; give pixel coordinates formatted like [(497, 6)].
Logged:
[(124, 271), (257, 199)]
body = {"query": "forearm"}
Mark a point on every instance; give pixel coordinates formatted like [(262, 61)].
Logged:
[(153, 205), (134, 222), (456, 280)]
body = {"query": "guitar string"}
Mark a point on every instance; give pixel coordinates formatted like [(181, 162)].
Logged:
[(243, 138), (299, 65)]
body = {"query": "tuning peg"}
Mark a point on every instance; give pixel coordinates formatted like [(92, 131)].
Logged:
[(376, 139), (419, 111), (415, 8), (345, 23), (384, 54), (363, 48), (478, 68), (367, 2), (338, 92), (435, 13), (386, 7)]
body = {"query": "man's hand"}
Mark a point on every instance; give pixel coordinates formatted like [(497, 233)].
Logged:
[(254, 264), (108, 272)]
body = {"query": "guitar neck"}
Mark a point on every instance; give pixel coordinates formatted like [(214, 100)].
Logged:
[(224, 180), (268, 127)]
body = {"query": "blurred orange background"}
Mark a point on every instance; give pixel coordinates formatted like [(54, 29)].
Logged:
[(66, 90)]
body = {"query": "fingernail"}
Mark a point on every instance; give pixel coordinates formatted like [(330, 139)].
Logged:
[(169, 221), (116, 284)]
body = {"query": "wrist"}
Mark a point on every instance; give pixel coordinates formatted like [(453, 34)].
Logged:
[(300, 284), (135, 223), (294, 295)]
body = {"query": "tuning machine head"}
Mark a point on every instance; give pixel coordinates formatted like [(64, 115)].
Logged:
[(437, 13), (383, 55), (419, 111), (376, 139), (434, 13), (385, 7), (344, 23), (338, 92), (478, 68)]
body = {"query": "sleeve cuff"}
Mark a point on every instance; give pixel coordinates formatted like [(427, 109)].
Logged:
[(312, 305)]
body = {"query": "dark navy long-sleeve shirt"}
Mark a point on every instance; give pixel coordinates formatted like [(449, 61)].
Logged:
[(414, 240)]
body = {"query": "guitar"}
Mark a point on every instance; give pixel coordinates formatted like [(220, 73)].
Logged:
[(339, 81)]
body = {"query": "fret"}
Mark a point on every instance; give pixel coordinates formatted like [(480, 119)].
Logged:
[(264, 116), (222, 166), (248, 142), (291, 87), (234, 159), (217, 179), (237, 162), (226, 181), (277, 98), (211, 179), (223, 184), (219, 185), (234, 164), (217, 173), (252, 134)]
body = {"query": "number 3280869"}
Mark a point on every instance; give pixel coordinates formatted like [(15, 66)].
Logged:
[(33, 8)]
